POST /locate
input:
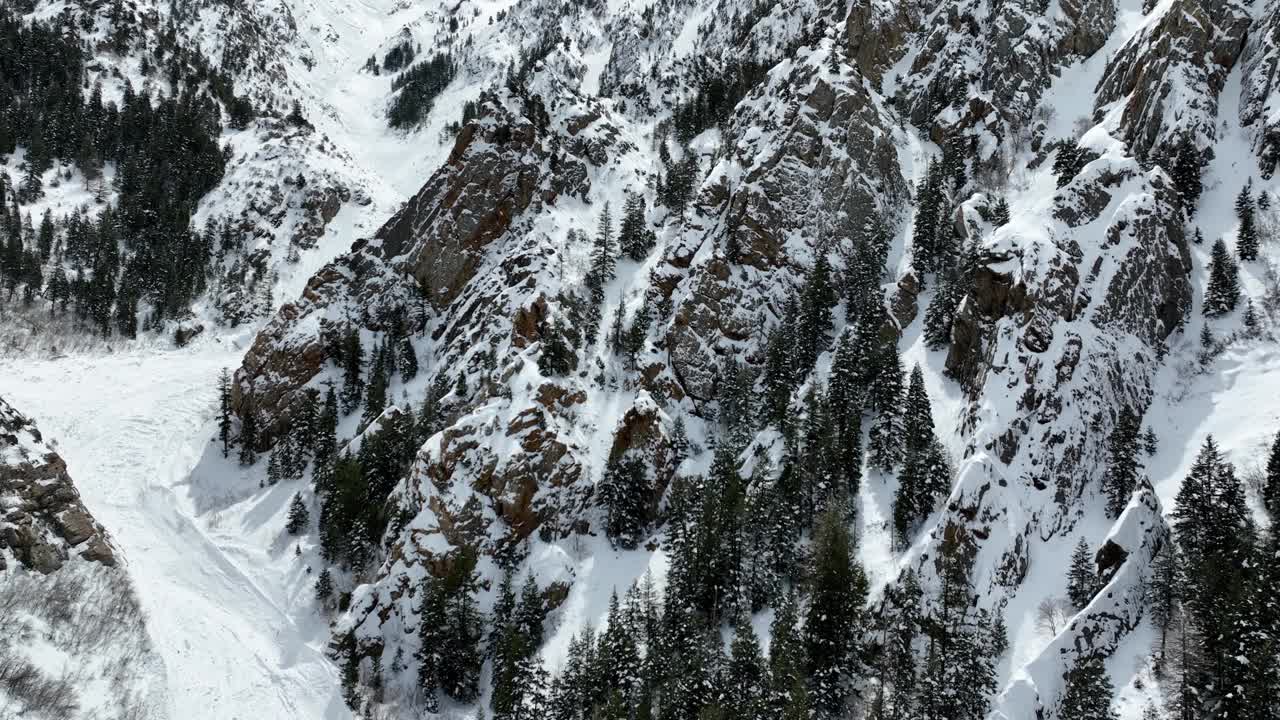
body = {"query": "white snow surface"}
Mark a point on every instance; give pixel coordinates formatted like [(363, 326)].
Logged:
[(236, 629)]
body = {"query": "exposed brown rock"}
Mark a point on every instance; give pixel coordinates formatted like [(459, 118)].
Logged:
[(43, 519)]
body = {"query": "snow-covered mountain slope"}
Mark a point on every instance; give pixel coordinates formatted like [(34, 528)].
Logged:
[(755, 158), (1067, 323), (227, 615), (75, 643)]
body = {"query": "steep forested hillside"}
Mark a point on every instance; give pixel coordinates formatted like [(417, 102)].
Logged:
[(680, 359)]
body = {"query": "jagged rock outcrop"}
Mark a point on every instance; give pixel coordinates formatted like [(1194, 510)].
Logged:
[(875, 34), (1166, 79), (452, 236), (824, 169), (986, 65), (1064, 326), (1259, 109), (42, 520)]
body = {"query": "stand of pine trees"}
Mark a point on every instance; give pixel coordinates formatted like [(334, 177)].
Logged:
[(1213, 600), (166, 157), (926, 471), (417, 88)]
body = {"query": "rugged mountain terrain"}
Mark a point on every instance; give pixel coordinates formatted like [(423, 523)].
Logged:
[(614, 295), (75, 642), (1066, 319), (45, 521)]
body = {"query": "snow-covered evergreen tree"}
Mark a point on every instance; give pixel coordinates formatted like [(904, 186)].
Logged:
[(835, 616), (224, 410), (1223, 291), (885, 444), (1247, 234), (299, 516), (1123, 468), (1089, 692), (1082, 581), (1271, 484), (1186, 173)]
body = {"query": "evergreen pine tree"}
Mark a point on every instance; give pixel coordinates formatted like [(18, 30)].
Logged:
[(617, 654), (839, 590), (352, 364), (407, 358), (556, 358), (954, 161), (1162, 590), (625, 490), (1081, 578), (461, 661), (616, 329), (432, 635), (815, 463), (224, 410), (1000, 214), (817, 298), (1247, 236), (326, 443), (1068, 163), (929, 209), (778, 375), (900, 626), (1123, 469), (248, 431), (299, 516), (635, 239), (274, 472), (917, 414), (844, 407), (44, 243), (1271, 483), (1089, 692), (941, 313), (324, 587), (787, 663), (604, 256), (633, 342), (926, 472), (925, 476), (375, 396), (1216, 540), (1186, 174), (885, 444), (747, 677), (531, 690), (1252, 323)]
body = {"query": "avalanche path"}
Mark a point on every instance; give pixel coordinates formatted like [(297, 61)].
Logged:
[(238, 640)]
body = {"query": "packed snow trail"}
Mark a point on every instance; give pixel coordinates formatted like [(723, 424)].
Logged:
[(131, 426)]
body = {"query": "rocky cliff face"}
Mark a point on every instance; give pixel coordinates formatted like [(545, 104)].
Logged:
[(42, 521), (988, 64), (1067, 319), (811, 166), (1166, 80), (1065, 326)]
